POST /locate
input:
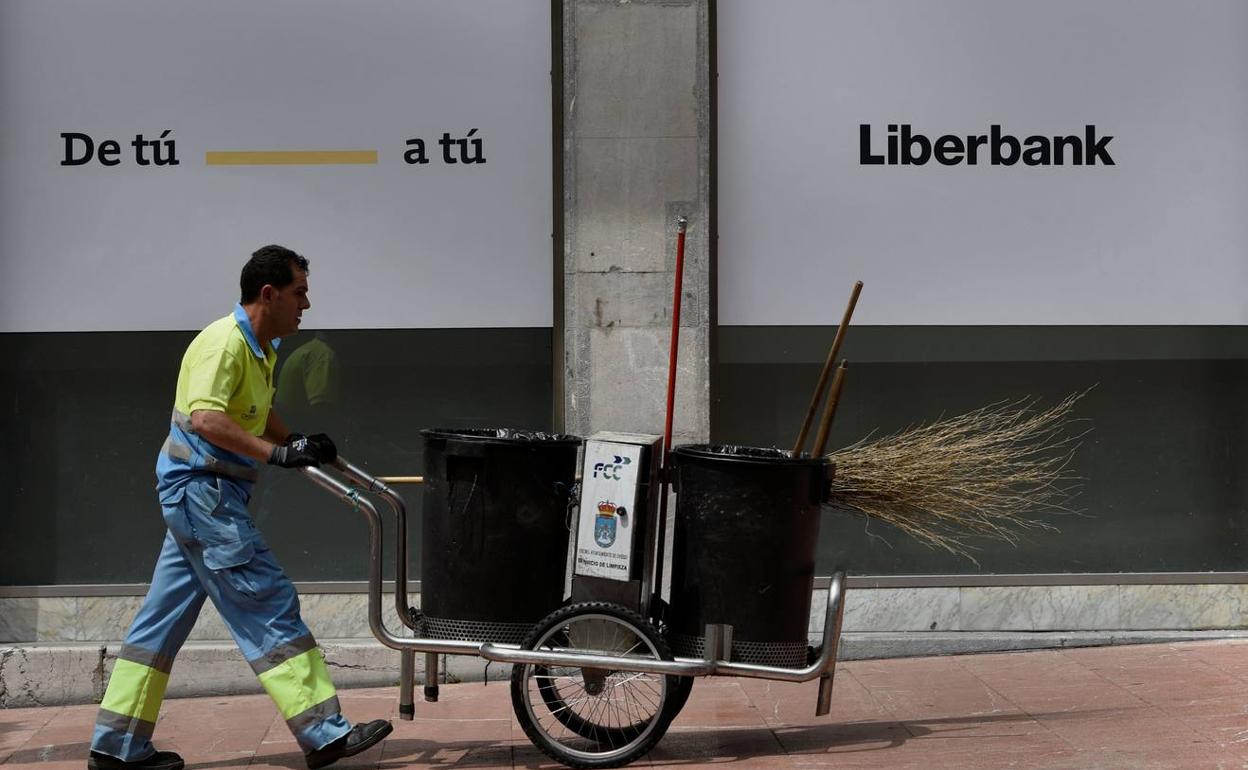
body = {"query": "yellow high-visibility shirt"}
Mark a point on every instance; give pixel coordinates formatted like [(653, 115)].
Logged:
[(226, 370)]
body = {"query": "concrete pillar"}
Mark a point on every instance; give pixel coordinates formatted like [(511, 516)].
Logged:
[(637, 151)]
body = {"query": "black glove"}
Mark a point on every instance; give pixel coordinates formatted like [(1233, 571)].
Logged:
[(295, 453), (322, 447)]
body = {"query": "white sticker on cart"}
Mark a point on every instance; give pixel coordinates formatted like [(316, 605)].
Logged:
[(604, 540)]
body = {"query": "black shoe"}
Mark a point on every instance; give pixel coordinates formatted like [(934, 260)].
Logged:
[(161, 760), (361, 738)]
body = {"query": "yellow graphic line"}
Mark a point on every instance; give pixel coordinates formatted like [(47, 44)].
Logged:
[(291, 157)]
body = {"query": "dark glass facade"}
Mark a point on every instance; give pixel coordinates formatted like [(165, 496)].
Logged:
[(1164, 487), (84, 415)]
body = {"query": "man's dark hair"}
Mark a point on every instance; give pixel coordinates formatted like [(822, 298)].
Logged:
[(271, 264)]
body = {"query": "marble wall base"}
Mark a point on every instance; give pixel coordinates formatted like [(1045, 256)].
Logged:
[(867, 610), (106, 618), (58, 650), (68, 673), (1042, 608)]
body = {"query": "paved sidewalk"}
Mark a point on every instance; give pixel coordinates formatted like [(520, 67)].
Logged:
[(1168, 706)]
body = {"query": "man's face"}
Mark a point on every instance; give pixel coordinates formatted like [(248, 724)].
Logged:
[(286, 305)]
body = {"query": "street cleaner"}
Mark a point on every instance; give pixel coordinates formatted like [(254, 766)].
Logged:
[(223, 426)]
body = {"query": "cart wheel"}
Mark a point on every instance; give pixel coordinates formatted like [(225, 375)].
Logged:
[(679, 696), (593, 718)]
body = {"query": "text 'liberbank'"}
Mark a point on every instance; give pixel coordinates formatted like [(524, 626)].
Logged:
[(903, 147)]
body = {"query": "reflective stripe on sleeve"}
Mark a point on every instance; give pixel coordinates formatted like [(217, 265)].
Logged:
[(135, 690)]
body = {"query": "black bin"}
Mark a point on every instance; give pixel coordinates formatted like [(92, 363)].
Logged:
[(495, 532), (743, 549)]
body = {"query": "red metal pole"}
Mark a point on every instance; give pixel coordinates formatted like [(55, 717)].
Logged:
[(661, 546), (675, 342)]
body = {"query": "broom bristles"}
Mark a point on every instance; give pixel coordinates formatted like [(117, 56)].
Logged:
[(989, 472)]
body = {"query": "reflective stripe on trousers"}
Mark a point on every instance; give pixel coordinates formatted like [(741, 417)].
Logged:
[(260, 607)]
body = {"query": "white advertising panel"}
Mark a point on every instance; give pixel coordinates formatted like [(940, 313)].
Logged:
[(604, 537), (983, 162), (149, 146)]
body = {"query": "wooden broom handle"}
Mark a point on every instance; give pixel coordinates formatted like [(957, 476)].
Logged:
[(827, 369)]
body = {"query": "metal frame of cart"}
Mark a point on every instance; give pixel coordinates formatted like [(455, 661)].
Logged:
[(576, 638)]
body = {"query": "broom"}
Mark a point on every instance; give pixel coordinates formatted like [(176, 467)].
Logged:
[(988, 472)]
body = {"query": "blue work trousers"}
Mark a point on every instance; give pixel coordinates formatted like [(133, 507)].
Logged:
[(212, 550)]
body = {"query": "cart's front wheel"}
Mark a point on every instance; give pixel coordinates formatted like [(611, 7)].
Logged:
[(591, 717)]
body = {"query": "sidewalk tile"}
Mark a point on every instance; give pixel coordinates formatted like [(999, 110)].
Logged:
[(1153, 707)]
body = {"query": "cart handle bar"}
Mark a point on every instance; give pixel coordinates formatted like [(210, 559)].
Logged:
[(378, 485), (401, 479)]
